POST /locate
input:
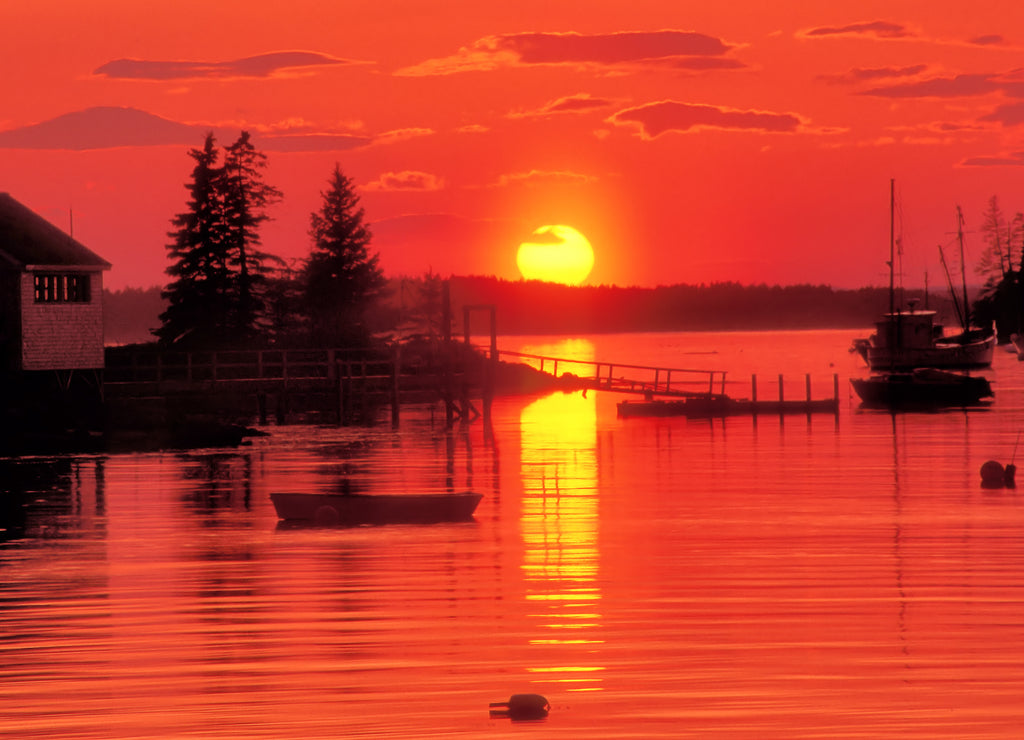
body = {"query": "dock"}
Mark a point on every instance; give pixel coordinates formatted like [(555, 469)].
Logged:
[(697, 393)]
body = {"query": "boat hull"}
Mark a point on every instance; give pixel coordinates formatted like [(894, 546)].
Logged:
[(968, 356), (359, 508), (926, 388)]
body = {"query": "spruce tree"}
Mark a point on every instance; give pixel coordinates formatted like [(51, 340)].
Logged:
[(342, 278), (218, 272), (246, 199), (199, 292)]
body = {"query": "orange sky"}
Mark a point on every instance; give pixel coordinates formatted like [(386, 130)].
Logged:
[(690, 142)]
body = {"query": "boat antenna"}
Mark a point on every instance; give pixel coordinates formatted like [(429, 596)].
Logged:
[(1014, 457)]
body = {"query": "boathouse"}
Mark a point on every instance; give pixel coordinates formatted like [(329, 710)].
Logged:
[(51, 290)]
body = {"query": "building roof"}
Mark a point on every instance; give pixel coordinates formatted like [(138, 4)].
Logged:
[(29, 241)]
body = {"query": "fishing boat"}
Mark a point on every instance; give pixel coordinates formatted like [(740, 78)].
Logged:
[(350, 509), (907, 339), (922, 388)]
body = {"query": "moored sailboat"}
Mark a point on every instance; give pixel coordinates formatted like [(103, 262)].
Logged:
[(917, 357), (905, 339)]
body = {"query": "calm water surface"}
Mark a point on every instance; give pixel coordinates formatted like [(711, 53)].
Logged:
[(812, 577)]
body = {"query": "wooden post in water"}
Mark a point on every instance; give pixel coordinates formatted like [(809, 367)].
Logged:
[(491, 374), (807, 379), (395, 371), (835, 392), (447, 381), (782, 396)]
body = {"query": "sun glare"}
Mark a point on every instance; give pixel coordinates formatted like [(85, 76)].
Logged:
[(556, 254)]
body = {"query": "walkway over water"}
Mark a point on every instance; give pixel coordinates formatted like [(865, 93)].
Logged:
[(671, 391), (647, 380), (349, 377)]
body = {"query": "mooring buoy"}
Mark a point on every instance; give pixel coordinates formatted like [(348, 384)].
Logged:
[(521, 706), (993, 475)]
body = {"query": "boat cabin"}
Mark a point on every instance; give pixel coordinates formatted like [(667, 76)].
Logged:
[(51, 290), (907, 330)]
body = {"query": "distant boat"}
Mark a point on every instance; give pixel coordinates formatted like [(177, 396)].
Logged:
[(921, 388), (349, 509), (908, 339)]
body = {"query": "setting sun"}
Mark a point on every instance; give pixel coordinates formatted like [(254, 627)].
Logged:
[(556, 254)]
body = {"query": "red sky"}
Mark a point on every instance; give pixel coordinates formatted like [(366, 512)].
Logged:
[(690, 142)]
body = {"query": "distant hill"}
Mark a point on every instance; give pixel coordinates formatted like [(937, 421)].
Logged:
[(533, 307)]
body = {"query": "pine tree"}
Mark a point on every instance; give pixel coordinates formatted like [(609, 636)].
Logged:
[(218, 272), (199, 291), (342, 277), (246, 199)]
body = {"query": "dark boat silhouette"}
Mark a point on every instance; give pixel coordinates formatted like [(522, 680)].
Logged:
[(347, 509), (923, 387)]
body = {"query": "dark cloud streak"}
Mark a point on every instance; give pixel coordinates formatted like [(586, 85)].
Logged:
[(655, 119), (262, 65)]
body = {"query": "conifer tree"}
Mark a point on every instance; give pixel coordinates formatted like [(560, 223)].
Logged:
[(218, 272), (199, 290), (342, 277), (246, 199)]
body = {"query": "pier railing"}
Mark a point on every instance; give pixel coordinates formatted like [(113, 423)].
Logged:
[(628, 378)]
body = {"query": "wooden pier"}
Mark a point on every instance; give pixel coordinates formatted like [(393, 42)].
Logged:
[(681, 391), (343, 385)]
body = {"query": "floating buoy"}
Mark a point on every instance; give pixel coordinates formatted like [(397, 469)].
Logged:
[(993, 475), (521, 706)]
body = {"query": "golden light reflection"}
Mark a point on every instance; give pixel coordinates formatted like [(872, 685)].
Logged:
[(560, 529)]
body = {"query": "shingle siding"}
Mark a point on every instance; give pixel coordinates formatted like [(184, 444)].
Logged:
[(61, 336)]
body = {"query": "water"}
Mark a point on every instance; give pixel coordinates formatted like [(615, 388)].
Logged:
[(796, 578)]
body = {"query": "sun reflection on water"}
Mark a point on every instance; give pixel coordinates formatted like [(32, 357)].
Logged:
[(560, 531)]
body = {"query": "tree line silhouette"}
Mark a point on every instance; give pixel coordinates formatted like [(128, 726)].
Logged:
[(226, 292)]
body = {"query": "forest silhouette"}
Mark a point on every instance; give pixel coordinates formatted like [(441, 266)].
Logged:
[(533, 307)]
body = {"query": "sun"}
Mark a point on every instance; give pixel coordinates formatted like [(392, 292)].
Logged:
[(556, 254)]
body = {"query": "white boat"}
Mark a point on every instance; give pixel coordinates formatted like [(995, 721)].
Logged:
[(908, 339), (350, 509)]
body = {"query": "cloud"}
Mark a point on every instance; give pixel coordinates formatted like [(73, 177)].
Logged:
[(405, 181), (402, 134), (989, 39), (957, 86), (683, 49), (655, 119), (312, 142), (543, 177), (1011, 114), (580, 103), (112, 127), (872, 29), (1013, 159), (261, 65), (102, 128), (861, 74)]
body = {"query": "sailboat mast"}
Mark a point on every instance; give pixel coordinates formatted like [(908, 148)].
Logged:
[(963, 269), (892, 245)]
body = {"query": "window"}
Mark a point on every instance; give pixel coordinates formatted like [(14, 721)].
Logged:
[(62, 287)]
